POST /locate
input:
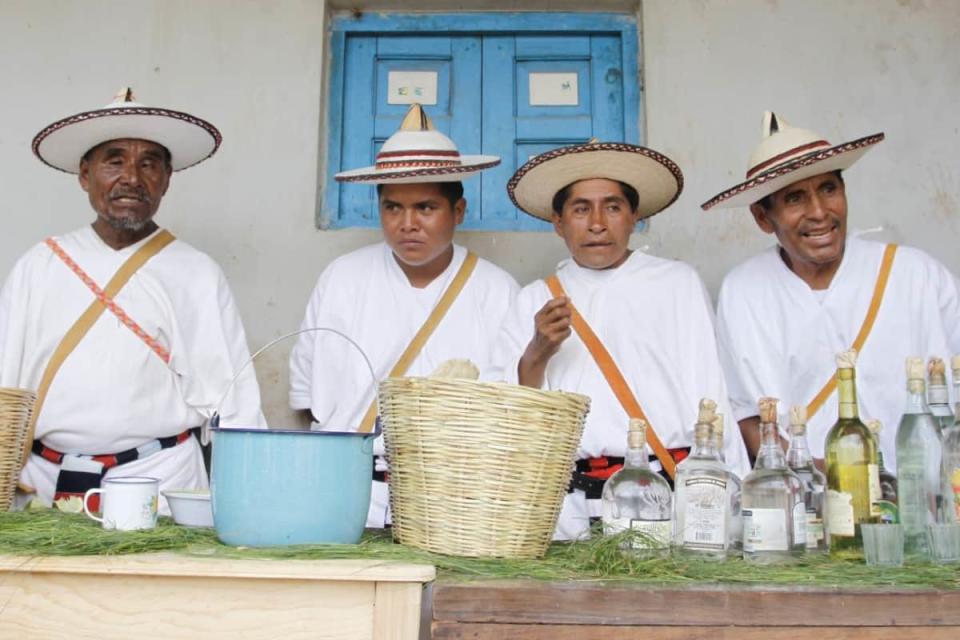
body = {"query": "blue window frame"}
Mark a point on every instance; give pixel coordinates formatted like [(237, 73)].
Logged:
[(507, 84)]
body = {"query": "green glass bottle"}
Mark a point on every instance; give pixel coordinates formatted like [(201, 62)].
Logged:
[(853, 478)]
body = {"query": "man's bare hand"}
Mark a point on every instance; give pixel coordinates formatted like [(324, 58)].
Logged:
[(551, 328)]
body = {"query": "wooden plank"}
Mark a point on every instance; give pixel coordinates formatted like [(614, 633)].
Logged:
[(453, 631), (47, 606), (170, 564), (599, 604), (396, 611)]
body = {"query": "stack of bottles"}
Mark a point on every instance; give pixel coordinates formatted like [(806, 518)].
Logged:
[(786, 507)]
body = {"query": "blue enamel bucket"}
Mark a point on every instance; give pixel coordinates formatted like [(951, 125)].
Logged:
[(273, 487)]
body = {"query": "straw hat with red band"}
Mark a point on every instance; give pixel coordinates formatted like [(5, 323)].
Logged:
[(657, 179), (787, 155), (189, 139), (418, 153)]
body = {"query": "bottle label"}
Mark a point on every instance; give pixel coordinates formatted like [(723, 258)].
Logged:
[(654, 534), (705, 522), (876, 493), (955, 484), (764, 530), (840, 513), (799, 523), (814, 530)]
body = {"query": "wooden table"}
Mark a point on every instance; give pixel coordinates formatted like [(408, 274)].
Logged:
[(167, 595), (526, 610)]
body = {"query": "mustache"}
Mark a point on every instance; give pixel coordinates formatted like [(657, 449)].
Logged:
[(136, 194)]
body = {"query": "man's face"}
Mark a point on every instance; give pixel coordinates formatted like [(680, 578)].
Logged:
[(125, 181), (809, 218), (596, 223), (418, 221)]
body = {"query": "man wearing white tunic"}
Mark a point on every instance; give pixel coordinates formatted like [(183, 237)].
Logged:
[(380, 295), (784, 314), (156, 362), (652, 314)]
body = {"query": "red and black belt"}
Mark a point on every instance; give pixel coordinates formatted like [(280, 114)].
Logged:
[(590, 474), (79, 473)]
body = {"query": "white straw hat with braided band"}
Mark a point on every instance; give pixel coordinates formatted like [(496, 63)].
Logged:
[(189, 139), (418, 153), (657, 179), (786, 155)]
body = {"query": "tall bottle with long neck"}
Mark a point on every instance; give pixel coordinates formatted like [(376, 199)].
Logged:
[(938, 399), (853, 478), (951, 454), (774, 512), (814, 482), (707, 496), (636, 498), (919, 465), (887, 504)]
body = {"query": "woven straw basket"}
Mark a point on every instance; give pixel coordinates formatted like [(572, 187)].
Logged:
[(478, 469), (15, 408)]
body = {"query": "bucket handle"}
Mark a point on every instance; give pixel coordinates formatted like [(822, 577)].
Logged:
[(214, 421)]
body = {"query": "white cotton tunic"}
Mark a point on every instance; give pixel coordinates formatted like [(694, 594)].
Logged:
[(113, 392), (779, 338), (366, 295), (654, 317)]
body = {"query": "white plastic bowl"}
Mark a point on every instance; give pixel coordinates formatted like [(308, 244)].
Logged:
[(190, 507)]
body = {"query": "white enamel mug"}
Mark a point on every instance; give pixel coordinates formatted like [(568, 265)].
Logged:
[(127, 504)]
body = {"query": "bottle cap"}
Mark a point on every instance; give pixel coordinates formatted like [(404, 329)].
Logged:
[(937, 371), (637, 433), (875, 427), (915, 368), (768, 409), (707, 410), (798, 419), (717, 427), (955, 364), (847, 359)]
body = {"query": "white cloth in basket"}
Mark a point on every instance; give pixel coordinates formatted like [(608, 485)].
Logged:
[(655, 318), (113, 393), (366, 295)]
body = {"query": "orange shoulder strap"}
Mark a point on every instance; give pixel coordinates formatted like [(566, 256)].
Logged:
[(416, 344), (613, 377), (83, 324), (878, 289)]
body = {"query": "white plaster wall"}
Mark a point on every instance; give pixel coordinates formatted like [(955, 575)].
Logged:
[(255, 70)]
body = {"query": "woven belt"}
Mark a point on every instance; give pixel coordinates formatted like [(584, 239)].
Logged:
[(592, 473), (79, 473)]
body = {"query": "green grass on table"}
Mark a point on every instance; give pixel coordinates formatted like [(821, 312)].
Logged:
[(53, 533)]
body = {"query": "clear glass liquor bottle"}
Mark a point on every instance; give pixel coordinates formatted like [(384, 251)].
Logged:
[(919, 465), (814, 482), (853, 476), (707, 496), (774, 513), (638, 499), (887, 504), (938, 399), (951, 454)]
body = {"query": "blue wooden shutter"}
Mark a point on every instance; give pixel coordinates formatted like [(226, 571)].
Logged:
[(483, 65)]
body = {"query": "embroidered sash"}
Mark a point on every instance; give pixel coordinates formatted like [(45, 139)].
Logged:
[(89, 317)]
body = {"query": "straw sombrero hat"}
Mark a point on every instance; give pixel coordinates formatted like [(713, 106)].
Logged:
[(786, 155), (189, 139), (418, 153), (657, 179)]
